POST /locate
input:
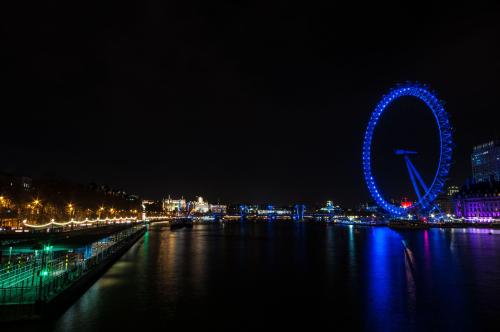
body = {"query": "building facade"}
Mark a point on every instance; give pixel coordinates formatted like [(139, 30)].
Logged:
[(485, 160), (330, 208), (446, 201), (218, 208), (479, 201), (200, 206), (452, 190), (174, 205)]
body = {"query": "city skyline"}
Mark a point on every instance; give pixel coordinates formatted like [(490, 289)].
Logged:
[(25, 181), (233, 107)]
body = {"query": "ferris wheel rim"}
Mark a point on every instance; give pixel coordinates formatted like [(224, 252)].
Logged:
[(445, 140)]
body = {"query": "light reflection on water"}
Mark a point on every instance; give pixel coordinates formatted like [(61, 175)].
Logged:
[(362, 278)]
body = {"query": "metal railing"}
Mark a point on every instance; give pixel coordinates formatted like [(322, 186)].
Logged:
[(45, 277)]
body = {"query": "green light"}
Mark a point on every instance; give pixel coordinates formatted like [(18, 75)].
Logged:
[(44, 273)]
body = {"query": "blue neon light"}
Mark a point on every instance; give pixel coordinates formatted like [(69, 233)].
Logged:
[(445, 139)]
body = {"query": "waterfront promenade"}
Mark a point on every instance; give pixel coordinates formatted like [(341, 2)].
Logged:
[(38, 283)]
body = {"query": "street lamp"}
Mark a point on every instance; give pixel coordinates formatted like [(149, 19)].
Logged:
[(99, 212), (71, 209), (2, 205), (36, 204)]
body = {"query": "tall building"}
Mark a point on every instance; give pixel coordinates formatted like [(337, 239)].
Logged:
[(486, 162)]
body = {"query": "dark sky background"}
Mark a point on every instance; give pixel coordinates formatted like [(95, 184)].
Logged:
[(257, 101)]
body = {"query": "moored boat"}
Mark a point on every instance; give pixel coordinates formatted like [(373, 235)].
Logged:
[(408, 224)]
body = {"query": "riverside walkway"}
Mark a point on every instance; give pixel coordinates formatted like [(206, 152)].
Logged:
[(36, 279)]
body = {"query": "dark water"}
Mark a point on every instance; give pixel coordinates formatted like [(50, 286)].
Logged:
[(267, 276)]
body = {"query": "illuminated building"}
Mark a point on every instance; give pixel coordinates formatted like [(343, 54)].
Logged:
[(218, 208), (173, 205), (282, 211), (452, 190), (330, 208), (486, 162), (252, 209), (479, 200), (200, 206), (271, 210)]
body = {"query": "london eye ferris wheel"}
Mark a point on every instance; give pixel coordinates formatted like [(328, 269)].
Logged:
[(425, 193)]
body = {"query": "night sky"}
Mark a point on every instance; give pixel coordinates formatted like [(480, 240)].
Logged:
[(249, 102)]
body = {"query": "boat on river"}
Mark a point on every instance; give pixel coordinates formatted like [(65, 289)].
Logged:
[(408, 225)]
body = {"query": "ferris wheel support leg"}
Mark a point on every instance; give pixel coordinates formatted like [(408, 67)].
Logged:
[(436, 207), (412, 177), (417, 174)]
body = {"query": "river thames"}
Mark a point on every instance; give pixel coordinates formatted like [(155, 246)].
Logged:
[(240, 276)]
